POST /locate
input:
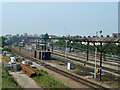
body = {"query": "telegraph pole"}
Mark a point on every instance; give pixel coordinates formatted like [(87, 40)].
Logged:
[(66, 51)]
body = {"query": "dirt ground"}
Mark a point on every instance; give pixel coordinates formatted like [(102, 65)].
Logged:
[(24, 81), (65, 80)]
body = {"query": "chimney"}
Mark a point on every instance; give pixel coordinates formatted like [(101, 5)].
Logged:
[(108, 36), (88, 36), (101, 35), (80, 36)]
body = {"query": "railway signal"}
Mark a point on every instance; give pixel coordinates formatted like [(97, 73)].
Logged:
[(96, 56)]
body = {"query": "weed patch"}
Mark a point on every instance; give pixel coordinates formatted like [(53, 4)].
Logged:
[(47, 81)]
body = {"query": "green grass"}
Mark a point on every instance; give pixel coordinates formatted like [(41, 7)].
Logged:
[(47, 81), (8, 81), (77, 70)]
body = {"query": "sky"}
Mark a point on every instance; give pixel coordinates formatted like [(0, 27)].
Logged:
[(60, 18)]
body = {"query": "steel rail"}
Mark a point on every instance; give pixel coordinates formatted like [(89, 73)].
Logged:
[(90, 59), (88, 63), (74, 77)]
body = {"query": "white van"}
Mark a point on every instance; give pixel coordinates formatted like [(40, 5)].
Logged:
[(13, 59)]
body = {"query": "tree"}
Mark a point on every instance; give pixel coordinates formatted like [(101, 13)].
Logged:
[(46, 37), (13, 39), (3, 41), (77, 36)]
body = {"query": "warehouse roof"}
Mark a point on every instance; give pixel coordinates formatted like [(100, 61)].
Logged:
[(86, 39)]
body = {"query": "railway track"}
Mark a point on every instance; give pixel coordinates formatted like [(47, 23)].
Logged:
[(86, 70), (76, 78), (90, 56), (88, 63), (67, 74)]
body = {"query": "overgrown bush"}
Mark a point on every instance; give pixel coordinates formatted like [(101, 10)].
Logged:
[(6, 49), (8, 81)]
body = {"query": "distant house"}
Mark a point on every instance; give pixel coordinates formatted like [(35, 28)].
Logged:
[(7, 37), (116, 35), (25, 34), (107, 38), (54, 36)]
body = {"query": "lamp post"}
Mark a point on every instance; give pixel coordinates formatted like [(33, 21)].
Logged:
[(66, 51), (96, 53)]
